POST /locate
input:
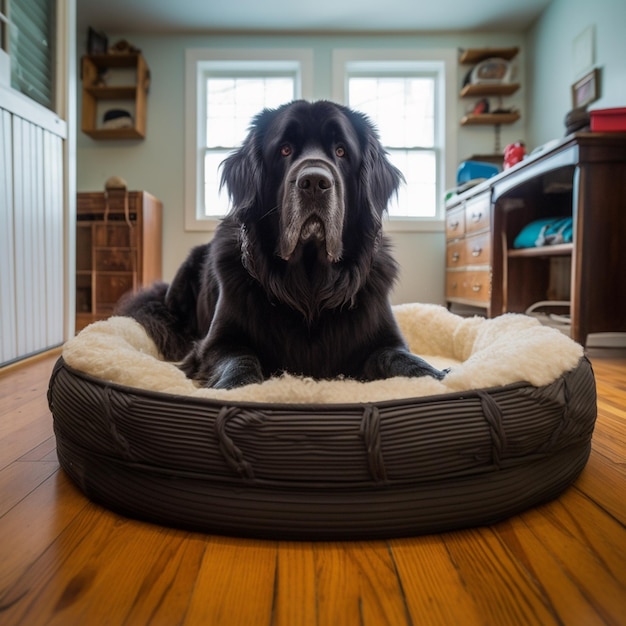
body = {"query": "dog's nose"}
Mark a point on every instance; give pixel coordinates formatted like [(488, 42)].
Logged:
[(314, 179)]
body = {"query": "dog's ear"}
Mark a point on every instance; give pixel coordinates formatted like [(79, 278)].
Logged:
[(380, 177), (242, 174)]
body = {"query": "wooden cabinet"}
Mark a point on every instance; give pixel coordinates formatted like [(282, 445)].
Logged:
[(473, 56), (118, 249), (468, 250), (583, 176), (114, 81)]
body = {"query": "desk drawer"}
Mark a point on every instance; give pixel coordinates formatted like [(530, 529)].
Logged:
[(469, 285), (456, 254), (455, 223), (115, 259), (478, 249), (477, 213), (110, 288)]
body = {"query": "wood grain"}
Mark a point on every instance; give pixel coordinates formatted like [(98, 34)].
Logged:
[(66, 561)]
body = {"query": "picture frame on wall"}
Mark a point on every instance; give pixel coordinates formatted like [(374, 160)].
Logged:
[(97, 42), (586, 90)]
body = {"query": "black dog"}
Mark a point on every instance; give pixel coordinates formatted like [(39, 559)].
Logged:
[(297, 276)]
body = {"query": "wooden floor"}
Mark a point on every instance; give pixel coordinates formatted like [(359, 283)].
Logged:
[(66, 561)]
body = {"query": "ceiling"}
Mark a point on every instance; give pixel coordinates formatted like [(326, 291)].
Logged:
[(145, 16)]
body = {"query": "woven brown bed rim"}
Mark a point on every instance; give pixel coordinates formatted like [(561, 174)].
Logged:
[(323, 472)]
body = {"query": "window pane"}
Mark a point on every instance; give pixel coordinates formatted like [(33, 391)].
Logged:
[(402, 108), (32, 34), (231, 103), (215, 201), (418, 197)]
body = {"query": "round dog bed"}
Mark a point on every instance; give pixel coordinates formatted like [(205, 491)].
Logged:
[(292, 458)]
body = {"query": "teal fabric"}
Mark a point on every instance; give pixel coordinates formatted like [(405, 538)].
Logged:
[(545, 232)]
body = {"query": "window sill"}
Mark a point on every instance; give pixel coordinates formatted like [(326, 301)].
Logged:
[(390, 225), (413, 225)]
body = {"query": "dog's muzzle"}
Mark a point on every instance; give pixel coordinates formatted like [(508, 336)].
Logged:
[(312, 208)]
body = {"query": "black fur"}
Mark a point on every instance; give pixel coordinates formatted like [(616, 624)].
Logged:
[(297, 276)]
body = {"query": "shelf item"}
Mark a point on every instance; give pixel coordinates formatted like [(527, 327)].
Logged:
[(96, 92), (476, 55), (118, 249), (582, 175), (489, 119)]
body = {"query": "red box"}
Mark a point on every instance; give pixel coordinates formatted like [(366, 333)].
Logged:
[(608, 120)]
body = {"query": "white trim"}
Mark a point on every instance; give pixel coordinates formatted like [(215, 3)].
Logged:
[(194, 58), (440, 60), (26, 108), (67, 108)]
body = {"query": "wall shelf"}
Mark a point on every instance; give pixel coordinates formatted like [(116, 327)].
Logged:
[(476, 55), (133, 96), (476, 91), (561, 249), (492, 119)]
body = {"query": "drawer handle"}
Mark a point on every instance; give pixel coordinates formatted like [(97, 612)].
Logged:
[(455, 257), (454, 225), (476, 217), (477, 251), (476, 288)]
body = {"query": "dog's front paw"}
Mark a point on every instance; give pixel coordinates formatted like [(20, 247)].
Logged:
[(236, 372), (415, 366), (397, 362)]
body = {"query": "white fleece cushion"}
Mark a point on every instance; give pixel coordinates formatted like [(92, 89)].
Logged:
[(481, 353)]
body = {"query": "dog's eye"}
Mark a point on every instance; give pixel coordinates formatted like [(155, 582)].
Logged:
[(340, 151), (285, 150)]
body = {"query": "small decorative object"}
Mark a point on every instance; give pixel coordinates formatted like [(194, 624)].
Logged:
[(123, 47), (115, 183), (586, 90), (514, 153), (482, 106), (492, 71), (117, 118), (577, 120), (97, 42)]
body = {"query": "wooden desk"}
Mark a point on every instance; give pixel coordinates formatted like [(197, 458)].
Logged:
[(584, 176)]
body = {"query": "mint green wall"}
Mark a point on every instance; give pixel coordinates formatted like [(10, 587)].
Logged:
[(156, 164), (550, 63)]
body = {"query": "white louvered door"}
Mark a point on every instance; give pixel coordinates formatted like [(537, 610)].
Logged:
[(31, 238)]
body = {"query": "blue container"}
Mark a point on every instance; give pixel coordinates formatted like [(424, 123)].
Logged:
[(471, 170)]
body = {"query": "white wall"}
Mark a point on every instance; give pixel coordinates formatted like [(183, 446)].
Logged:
[(156, 164), (551, 67)]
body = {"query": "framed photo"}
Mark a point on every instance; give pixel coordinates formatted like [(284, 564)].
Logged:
[(97, 42), (586, 90)]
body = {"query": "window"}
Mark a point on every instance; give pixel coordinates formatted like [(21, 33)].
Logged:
[(229, 89), (27, 34), (404, 96)]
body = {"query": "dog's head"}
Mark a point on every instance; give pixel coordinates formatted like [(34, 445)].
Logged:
[(311, 174)]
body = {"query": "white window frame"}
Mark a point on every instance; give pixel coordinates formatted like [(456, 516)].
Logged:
[(197, 62), (442, 63)]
